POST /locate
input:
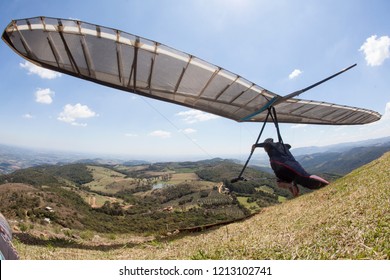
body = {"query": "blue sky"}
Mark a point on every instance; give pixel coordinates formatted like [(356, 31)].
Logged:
[(282, 46)]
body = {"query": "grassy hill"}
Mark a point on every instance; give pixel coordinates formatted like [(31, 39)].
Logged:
[(349, 219)]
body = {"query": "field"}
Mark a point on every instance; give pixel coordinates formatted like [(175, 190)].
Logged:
[(252, 206), (183, 177), (97, 200), (103, 178)]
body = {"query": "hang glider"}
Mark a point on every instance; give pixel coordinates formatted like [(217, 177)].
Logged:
[(131, 63)]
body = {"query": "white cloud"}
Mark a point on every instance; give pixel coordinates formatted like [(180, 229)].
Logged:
[(189, 131), (294, 74), (71, 113), (379, 128), (41, 72), (376, 51), (386, 115), (299, 125), (194, 116), (160, 134), (28, 116), (44, 96), (131, 135), (78, 124)]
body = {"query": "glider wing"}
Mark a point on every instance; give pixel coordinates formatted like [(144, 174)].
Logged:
[(131, 63)]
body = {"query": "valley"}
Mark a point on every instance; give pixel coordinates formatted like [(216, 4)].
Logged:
[(143, 199)]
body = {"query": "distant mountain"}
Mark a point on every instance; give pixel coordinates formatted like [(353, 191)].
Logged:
[(107, 161), (385, 141), (16, 158), (341, 163), (135, 162)]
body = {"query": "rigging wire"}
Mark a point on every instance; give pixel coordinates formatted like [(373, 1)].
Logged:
[(177, 128)]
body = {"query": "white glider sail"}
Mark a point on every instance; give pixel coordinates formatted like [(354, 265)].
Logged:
[(138, 65)]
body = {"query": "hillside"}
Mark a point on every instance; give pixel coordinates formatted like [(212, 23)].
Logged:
[(349, 219)]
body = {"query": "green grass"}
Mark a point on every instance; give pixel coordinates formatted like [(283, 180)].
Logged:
[(252, 206), (265, 189)]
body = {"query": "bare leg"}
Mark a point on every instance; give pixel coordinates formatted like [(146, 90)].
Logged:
[(292, 187)]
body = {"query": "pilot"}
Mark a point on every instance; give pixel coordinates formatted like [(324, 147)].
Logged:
[(288, 171)]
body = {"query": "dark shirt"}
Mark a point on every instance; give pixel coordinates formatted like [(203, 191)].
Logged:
[(280, 154)]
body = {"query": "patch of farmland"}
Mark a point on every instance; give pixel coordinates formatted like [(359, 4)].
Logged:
[(103, 177), (97, 200), (177, 178), (252, 206), (265, 189)]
